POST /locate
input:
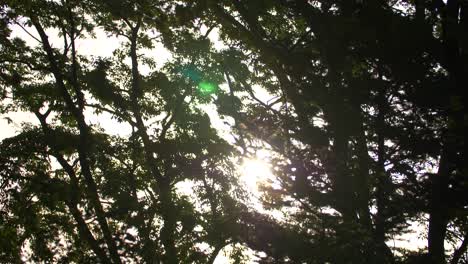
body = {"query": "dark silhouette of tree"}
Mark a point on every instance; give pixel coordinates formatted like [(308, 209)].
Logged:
[(366, 129), (368, 97)]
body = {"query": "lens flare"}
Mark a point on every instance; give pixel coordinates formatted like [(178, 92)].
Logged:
[(192, 73), (206, 87)]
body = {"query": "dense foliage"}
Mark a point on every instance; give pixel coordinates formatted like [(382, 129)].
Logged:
[(365, 128)]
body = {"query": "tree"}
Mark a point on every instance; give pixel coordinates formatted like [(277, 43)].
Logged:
[(76, 193), (366, 130), (359, 117)]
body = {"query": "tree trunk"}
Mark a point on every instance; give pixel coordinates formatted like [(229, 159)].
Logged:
[(164, 183), (169, 219), (438, 218)]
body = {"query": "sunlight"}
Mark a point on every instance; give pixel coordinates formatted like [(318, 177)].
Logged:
[(255, 171)]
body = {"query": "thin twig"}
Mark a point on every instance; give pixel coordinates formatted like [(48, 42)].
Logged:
[(27, 32)]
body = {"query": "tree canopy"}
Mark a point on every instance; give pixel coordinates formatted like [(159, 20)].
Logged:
[(359, 104)]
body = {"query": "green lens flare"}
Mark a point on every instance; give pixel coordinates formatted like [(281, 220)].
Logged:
[(192, 73), (206, 87)]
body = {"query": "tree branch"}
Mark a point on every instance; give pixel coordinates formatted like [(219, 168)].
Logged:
[(461, 250), (84, 140)]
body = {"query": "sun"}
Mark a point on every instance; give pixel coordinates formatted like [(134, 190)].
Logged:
[(255, 171)]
